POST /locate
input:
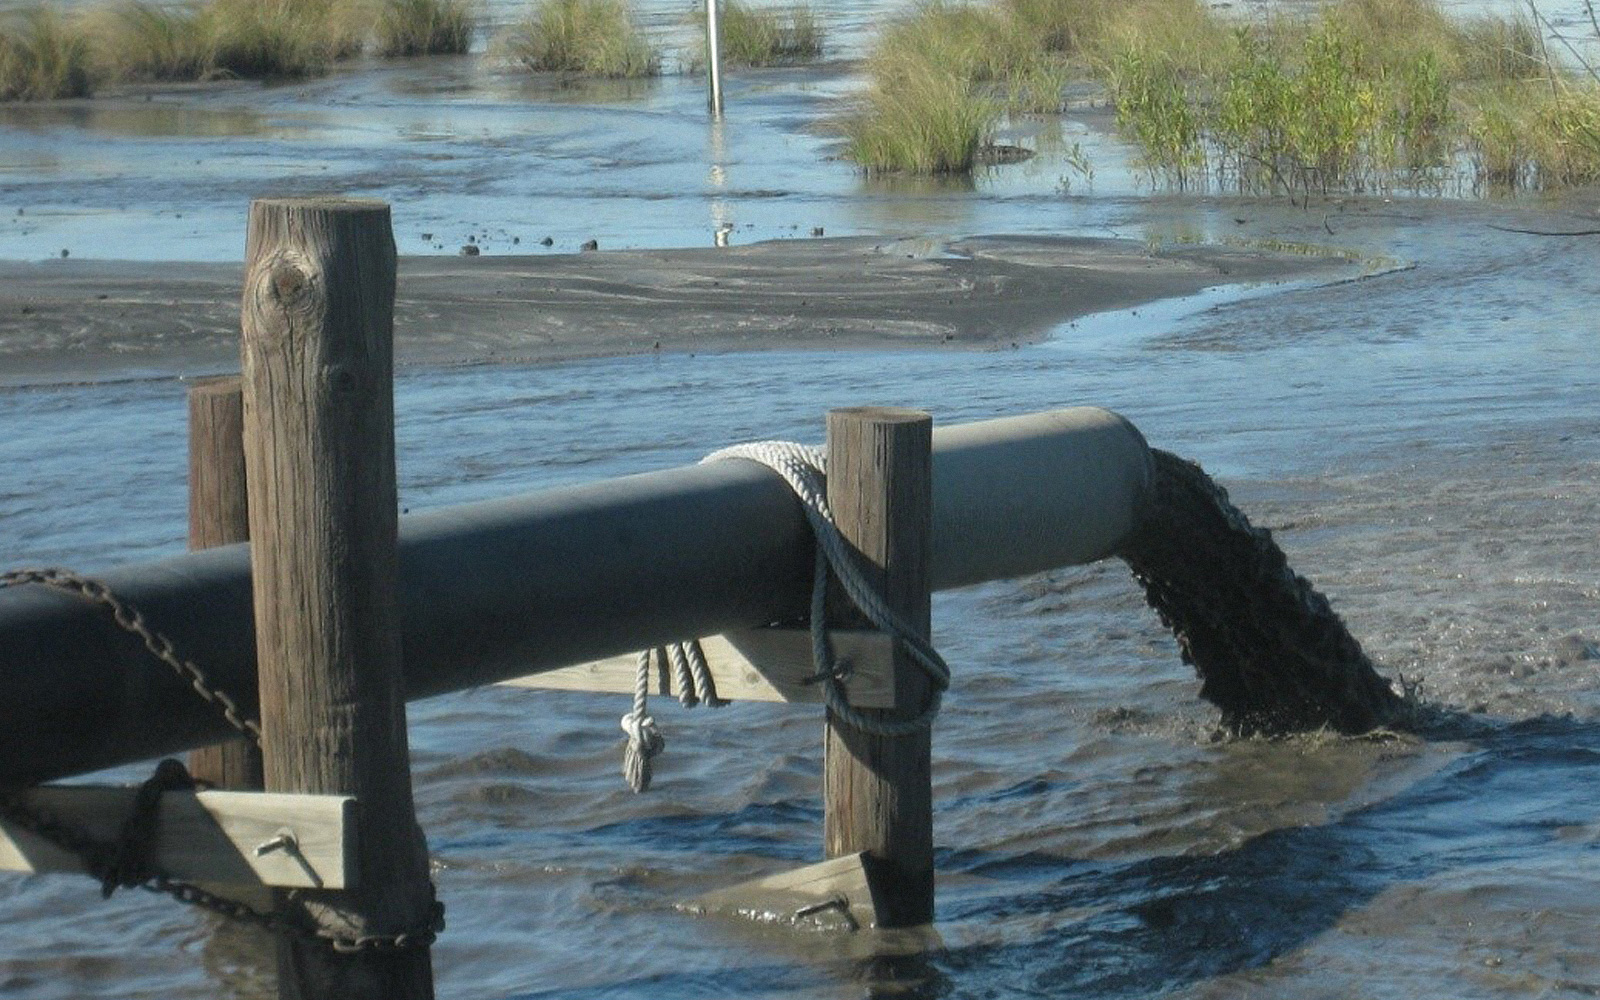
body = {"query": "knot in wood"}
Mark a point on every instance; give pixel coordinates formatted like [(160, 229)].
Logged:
[(290, 283), (340, 378)]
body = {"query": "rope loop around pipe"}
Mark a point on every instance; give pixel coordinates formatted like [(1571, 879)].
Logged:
[(803, 468)]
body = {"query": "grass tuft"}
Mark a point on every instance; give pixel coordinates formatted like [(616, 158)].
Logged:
[(140, 40), (43, 57), (587, 37), (926, 109), (425, 27), (280, 38), (751, 37)]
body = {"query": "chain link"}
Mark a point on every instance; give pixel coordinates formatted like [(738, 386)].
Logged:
[(131, 621), (126, 864)]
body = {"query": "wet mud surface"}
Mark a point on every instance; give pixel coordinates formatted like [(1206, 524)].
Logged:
[(72, 320)]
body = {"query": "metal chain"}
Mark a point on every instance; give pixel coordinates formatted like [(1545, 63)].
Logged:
[(111, 865), (129, 618), (126, 863)]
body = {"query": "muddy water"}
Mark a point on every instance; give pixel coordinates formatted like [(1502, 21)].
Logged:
[(1425, 445)]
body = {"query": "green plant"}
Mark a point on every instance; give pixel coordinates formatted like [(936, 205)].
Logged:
[(1063, 26), (1570, 125), (424, 27), (588, 37), (42, 57), (1154, 109), (977, 43), (141, 40), (1419, 116), (1498, 48), (1499, 151), (919, 119), (1038, 88), (751, 37), (279, 38)]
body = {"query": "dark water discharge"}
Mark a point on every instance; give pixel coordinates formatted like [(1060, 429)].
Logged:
[(1270, 651)]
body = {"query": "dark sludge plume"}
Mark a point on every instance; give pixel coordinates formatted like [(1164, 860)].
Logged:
[(1270, 651)]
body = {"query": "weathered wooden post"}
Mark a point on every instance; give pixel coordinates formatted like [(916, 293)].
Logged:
[(878, 790), (317, 357), (218, 515)]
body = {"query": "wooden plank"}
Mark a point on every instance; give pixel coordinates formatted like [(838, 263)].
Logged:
[(764, 664), (202, 836), (836, 892)]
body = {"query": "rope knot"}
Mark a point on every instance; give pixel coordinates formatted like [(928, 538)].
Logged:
[(644, 742)]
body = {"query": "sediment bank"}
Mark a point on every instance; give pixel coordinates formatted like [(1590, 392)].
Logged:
[(89, 320)]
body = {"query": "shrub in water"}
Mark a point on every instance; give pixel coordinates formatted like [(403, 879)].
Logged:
[(280, 38), (139, 40), (1154, 109), (42, 57), (588, 37), (922, 119), (751, 37), (425, 27)]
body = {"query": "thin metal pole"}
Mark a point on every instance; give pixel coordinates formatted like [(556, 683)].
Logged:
[(714, 58)]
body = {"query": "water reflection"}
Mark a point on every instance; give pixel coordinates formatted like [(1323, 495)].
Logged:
[(143, 119)]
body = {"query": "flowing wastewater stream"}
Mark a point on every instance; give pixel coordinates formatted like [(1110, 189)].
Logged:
[(1424, 443)]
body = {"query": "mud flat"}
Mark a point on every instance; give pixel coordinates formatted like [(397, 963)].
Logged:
[(86, 320)]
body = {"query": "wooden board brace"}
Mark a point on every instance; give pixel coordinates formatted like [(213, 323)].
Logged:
[(833, 893), (762, 664), (210, 837)]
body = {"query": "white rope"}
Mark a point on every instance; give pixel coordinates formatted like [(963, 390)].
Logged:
[(801, 466), (644, 740)]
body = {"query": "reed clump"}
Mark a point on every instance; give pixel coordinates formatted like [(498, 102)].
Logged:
[(43, 56), (928, 108), (1537, 137), (1368, 94), (752, 37), (586, 37), (425, 27), (137, 40)]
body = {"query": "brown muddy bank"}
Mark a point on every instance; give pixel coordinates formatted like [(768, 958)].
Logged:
[(87, 320)]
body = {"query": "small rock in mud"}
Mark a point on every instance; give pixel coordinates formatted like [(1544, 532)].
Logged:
[(470, 250), (816, 230), (590, 245), (547, 241), (1571, 649), (998, 154)]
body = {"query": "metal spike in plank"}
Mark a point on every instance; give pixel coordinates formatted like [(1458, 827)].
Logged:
[(835, 893), (224, 838), (761, 664)]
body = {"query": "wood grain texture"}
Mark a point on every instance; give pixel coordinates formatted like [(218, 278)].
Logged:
[(763, 664), (878, 790), (219, 515), (317, 360), (785, 896), (202, 836)]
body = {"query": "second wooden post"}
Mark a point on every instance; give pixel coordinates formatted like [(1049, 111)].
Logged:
[(318, 363), (218, 515), (878, 789)]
